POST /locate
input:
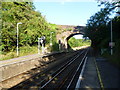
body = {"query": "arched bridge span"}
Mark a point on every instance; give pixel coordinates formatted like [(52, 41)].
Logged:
[(63, 37), (67, 39)]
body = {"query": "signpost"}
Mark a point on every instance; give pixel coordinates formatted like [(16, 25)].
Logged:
[(41, 41), (111, 44), (59, 45), (42, 46)]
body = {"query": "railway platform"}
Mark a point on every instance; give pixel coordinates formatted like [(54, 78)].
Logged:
[(99, 73), (90, 77), (13, 67), (24, 58), (110, 74)]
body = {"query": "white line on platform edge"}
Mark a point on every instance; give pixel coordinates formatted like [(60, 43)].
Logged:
[(80, 76)]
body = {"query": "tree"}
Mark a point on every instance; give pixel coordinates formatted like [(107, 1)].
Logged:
[(97, 27), (33, 24)]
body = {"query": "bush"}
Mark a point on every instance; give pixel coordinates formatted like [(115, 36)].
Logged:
[(55, 47), (78, 42)]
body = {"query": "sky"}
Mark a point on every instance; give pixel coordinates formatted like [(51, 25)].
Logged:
[(67, 13)]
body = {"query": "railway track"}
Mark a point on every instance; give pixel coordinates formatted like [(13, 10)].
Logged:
[(65, 76)]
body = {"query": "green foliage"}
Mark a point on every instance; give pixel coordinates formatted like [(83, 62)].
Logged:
[(33, 25), (55, 47), (52, 38), (78, 42), (50, 33), (98, 30), (98, 25), (24, 50)]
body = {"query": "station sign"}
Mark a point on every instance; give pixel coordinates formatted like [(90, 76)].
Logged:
[(111, 44)]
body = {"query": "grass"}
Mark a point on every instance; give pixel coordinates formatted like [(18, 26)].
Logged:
[(25, 50)]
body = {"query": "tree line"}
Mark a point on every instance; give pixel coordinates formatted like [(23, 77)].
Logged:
[(33, 25), (99, 26)]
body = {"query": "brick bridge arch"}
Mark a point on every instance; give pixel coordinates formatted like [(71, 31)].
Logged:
[(67, 39), (64, 36)]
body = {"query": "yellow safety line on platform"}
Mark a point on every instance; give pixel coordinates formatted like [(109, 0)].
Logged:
[(99, 76)]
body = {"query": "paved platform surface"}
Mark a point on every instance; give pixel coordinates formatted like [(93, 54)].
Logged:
[(90, 78), (110, 74), (24, 58), (105, 74)]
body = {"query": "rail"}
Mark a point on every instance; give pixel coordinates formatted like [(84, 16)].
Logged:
[(63, 77), (63, 69)]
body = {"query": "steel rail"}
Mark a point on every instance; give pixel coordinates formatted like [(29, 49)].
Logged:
[(51, 74), (57, 70), (70, 62), (80, 65), (80, 76), (73, 75)]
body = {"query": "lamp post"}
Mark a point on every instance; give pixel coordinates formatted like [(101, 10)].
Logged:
[(17, 37), (39, 45), (51, 38), (111, 39)]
